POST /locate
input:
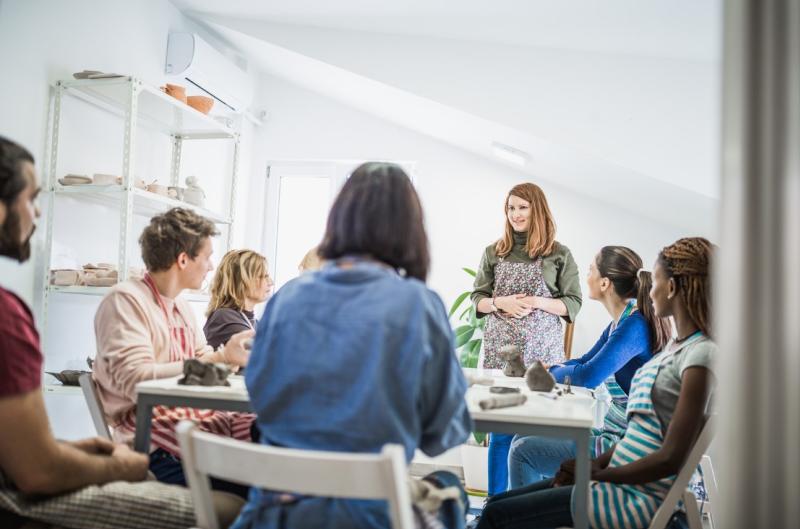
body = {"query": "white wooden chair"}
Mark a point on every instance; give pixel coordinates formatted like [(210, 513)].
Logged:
[(679, 490), (95, 407), (712, 491), (328, 474)]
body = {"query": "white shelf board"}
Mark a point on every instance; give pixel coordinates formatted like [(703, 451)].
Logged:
[(79, 290), (156, 110), (193, 297), (144, 202), (62, 389)]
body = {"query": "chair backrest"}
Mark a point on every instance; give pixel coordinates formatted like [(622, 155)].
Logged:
[(328, 474), (569, 330), (678, 489), (95, 407)]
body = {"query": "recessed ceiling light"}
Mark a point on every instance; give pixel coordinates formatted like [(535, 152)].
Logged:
[(510, 154)]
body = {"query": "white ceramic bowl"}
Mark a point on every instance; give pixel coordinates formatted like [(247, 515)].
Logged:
[(105, 179), (158, 189)]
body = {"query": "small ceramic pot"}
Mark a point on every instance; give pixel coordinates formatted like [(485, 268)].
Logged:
[(65, 278), (200, 103), (104, 179), (194, 196), (175, 192), (177, 91), (158, 189)]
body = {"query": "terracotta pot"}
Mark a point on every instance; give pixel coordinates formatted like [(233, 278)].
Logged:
[(177, 91), (200, 103)]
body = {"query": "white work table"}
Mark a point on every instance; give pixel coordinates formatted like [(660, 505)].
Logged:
[(569, 416)]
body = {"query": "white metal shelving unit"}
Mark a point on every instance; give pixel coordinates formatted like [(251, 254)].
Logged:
[(139, 105)]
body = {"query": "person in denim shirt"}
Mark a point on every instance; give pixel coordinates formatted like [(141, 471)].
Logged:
[(357, 354)]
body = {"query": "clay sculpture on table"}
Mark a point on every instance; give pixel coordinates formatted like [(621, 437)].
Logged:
[(539, 378), (512, 354), (68, 377), (502, 401), (197, 373)]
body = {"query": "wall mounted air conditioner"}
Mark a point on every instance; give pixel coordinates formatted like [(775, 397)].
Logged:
[(193, 59)]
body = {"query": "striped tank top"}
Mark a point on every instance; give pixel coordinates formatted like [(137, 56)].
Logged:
[(621, 506)]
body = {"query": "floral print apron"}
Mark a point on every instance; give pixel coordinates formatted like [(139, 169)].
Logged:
[(539, 334)]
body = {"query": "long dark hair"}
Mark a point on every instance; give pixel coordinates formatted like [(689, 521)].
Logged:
[(12, 182), (688, 262), (378, 214), (622, 266)]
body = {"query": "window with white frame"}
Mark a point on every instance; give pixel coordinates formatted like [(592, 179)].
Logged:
[(299, 196)]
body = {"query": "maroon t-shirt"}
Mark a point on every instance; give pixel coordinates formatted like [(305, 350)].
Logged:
[(20, 354)]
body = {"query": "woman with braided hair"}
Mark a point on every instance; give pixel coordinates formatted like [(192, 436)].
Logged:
[(667, 407)]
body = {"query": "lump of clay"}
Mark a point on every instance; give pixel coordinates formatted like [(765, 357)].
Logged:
[(197, 373), (538, 378), (512, 354)]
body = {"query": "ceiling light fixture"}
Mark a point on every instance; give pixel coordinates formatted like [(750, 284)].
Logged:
[(510, 154)]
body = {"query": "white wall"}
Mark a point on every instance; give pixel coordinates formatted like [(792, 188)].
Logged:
[(44, 41), (462, 194)]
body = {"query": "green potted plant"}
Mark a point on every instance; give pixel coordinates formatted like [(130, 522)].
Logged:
[(469, 338)]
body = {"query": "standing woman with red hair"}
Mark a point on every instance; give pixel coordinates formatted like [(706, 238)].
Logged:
[(527, 281)]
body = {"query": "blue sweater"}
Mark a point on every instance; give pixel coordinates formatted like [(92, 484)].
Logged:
[(620, 354)]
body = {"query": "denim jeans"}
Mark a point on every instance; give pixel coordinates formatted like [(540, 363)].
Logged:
[(534, 458), (499, 446), (262, 511), (537, 506), (168, 469), (451, 514)]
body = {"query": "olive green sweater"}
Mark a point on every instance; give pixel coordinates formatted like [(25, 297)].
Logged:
[(559, 270)]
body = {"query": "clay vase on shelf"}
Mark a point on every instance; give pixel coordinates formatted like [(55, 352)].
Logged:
[(194, 194), (175, 90)]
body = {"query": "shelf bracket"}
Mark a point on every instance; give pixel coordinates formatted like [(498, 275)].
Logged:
[(175, 167)]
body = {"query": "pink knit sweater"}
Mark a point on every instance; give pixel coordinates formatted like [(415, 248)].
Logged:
[(132, 337)]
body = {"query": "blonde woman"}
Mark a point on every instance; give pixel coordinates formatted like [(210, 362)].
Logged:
[(241, 282), (311, 261)]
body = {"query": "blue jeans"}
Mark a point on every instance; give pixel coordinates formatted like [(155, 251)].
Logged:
[(168, 469), (536, 506), (262, 511), (534, 458), (499, 446), (451, 514)]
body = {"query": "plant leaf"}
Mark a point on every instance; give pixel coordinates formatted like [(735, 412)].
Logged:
[(480, 437), (463, 334), (457, 303), (473, 317), (470, 353), (465, 312), (470, 271)]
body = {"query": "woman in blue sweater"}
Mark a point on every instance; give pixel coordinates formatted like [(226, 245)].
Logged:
[(617, 281)]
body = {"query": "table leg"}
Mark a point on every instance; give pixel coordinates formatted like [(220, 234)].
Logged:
[(144, 418), (582, 468)]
